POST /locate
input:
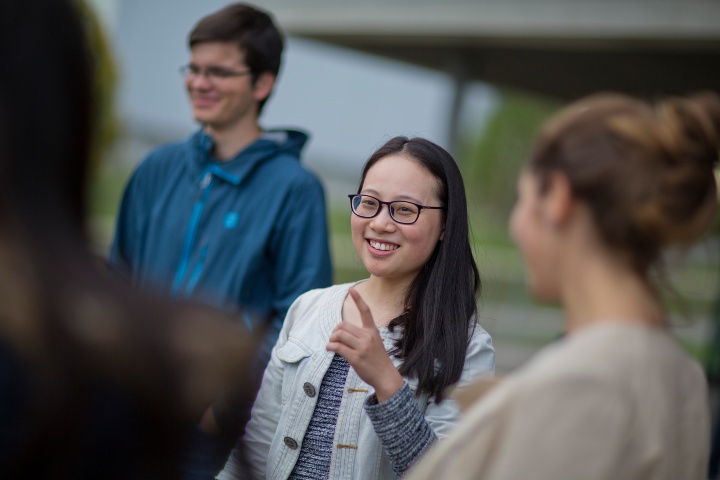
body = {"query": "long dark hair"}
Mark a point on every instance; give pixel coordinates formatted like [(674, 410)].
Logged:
[(45, 114), (441, 302), (95, 378)]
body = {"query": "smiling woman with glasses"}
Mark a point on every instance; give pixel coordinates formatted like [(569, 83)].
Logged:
[(356, 383)]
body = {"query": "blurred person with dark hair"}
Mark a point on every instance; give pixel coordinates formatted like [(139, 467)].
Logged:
[(356, 385), (95, 381), (611, 182), (229, 217)]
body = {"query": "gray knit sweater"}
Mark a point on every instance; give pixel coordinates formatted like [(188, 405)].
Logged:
[(398, 422)]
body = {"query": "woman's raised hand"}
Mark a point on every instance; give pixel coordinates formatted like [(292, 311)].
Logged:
[(363, 348)]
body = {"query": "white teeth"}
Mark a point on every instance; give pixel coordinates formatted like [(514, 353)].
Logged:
[(383, 246)]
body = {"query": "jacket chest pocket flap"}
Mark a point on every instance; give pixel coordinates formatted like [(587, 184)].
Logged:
[(291, 354)]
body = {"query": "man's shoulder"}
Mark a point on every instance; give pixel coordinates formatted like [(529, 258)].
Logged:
[(164, 159), (285, 169), (161, 165), (286, 147), (169, 152)]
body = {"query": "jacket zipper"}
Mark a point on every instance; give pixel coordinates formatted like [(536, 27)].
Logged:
[(190, 234), (196, 271)]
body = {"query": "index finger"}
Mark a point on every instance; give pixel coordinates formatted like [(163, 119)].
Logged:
[(365, 314)]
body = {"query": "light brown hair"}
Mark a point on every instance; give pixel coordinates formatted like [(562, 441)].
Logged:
[(644, 169)]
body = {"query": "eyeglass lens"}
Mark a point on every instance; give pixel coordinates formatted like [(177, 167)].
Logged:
[(211, 72), (402, 212)]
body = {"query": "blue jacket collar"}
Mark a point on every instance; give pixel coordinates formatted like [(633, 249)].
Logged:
[(269, 145)]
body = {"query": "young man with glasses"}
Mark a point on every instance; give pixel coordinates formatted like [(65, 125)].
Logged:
[(227, 217)]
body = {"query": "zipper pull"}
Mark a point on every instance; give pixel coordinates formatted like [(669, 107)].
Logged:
[(206, 181)]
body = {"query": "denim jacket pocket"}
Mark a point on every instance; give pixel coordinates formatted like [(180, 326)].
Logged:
[(291, 354)]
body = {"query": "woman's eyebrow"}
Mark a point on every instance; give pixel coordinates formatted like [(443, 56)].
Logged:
[(399, 197)]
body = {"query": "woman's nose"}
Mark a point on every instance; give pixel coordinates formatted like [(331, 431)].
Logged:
[(383, 221)]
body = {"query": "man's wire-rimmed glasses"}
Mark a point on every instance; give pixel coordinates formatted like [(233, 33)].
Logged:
[(212, 73), (367, 206)]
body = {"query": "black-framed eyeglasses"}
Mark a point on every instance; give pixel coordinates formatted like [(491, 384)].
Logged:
[(212, 73), (367, 206)]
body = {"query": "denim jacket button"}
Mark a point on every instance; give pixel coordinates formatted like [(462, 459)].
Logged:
[(291, 443), (309, 389)]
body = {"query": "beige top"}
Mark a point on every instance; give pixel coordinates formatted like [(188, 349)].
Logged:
[(612, 401)]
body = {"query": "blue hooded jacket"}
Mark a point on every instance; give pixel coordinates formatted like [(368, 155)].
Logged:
[(248, 232)]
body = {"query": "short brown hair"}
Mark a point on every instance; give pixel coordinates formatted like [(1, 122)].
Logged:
[(251, 29)]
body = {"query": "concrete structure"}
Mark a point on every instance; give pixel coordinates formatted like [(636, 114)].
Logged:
[(561, 48)]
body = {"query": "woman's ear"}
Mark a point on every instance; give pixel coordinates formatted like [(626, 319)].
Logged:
[(558, 200)]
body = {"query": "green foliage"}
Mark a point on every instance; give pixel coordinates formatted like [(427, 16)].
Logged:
[(105, 182), (492, 161), (105, 82), (347, 267), (107, 187), (104, 194), (102, 200)]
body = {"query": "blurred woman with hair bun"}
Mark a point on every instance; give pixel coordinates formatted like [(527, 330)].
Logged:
[(611, 182)]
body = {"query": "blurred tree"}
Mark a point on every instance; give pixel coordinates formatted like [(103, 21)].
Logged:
[(105, 78), (105, 185), (491, 162)]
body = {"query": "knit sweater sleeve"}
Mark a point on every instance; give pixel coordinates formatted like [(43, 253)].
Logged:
[(402, 428)]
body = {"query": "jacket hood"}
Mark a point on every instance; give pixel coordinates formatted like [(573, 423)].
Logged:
[(270, 144)]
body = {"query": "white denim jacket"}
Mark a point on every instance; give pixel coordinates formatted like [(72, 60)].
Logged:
[(287, 397)]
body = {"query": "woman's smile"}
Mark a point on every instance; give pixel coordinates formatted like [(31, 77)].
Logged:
[(381, 246)]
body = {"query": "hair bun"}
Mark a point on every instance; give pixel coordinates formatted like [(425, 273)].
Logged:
[(646, 170), (689, 132), (691, 127)]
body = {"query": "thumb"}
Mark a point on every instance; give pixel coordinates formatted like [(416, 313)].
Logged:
[(365, 314)]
